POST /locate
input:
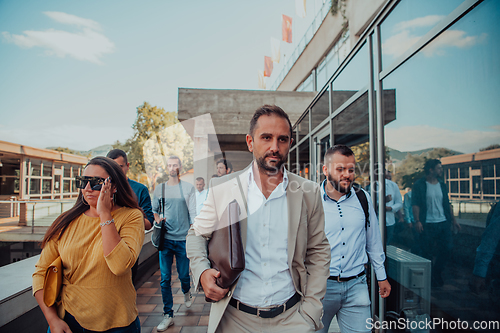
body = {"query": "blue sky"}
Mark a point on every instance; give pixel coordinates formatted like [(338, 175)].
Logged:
[(447, 95), (73, 73)]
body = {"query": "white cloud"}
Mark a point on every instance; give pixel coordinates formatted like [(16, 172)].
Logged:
[(410, 138), (419, 22), (86, 45), (73, 20), (452, 38), (397, 45)]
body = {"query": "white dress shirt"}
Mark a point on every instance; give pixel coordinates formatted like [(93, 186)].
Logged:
[(266, 280), (200, 200), (349, 241), (396, 202)]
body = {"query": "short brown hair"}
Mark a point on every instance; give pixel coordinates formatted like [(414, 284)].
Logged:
[(267, 110), (173, 157), (340, 149)]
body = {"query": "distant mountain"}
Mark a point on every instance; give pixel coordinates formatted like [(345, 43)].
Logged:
[(97, 151), (100, 151), (398, 156)]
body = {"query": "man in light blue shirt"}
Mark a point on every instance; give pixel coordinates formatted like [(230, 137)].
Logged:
[(352, 241)]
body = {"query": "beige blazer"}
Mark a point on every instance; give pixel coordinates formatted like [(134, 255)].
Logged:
[(308, 247)]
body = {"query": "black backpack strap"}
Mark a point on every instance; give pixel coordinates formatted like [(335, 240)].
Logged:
[(162, 199), (364, 204)]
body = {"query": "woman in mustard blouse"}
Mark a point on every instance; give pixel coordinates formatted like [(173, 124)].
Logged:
[(99, 240)]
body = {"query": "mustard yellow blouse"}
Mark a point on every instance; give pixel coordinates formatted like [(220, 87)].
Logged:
[(97, 290)]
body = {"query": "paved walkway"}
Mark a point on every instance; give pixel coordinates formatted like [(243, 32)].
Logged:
[(11, 231), (150, 305), (192, 320)]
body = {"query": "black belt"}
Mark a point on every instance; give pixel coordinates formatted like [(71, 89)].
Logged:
[(268, 312), (344, 279)]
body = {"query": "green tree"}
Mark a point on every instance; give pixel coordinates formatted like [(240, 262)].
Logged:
[(151, 121), (490, 147), (412, 167)]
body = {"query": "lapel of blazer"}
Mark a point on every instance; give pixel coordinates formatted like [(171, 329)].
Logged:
[(294, 202), (241, 198)]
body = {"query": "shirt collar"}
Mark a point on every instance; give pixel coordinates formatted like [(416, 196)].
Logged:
[(327, 198), (251, 176)]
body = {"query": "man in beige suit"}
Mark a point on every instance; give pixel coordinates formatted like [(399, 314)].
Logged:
[(287, 254)]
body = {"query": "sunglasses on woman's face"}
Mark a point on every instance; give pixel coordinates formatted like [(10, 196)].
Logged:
[(95, 182)]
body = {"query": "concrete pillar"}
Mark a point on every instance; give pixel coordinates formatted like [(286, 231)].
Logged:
[(23, 211)]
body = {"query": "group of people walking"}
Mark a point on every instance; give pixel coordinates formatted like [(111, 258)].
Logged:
[(306, 245)]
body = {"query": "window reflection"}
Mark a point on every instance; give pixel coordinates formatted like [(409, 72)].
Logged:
[(447, 109), (408, 23), (333, 59), (319, 111), (304, 165), (350, 127), (303, 126), (353, 78)]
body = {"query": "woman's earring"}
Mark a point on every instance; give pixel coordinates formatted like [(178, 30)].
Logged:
[(114, 198)]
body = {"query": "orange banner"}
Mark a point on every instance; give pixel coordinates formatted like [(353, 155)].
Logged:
[(286, 29), (262, 81), (268, 66)]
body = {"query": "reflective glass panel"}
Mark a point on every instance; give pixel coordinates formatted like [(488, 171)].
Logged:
[(319, 111), (353, 78), (350, 127), (47, 169), (321, 74), (66, 185), (47, 186), (35, 186), (446, 108), (67, 170), (408, 23), (303, 169), (36, 166), (303, 126)]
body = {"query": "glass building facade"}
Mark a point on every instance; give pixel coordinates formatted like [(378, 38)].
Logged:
[(422, 82)]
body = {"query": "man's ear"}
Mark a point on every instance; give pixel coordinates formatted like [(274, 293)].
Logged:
[(325, 170), (249, 140)]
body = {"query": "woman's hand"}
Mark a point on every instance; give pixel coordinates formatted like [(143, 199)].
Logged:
[(105, 201), (59, 326)]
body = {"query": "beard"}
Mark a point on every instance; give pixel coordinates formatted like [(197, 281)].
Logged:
[(271, 170), (336, 185)]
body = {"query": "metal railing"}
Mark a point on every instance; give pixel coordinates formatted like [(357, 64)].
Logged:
[(306, 38), (37, 209)]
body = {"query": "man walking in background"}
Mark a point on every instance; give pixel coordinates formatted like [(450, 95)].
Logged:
[(201, 194), (352, 230), (141, 193), (433, 218), (175, 201), (392, 206), (224, 167)]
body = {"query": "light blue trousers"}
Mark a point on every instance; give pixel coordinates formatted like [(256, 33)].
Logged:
[(350, 301)]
